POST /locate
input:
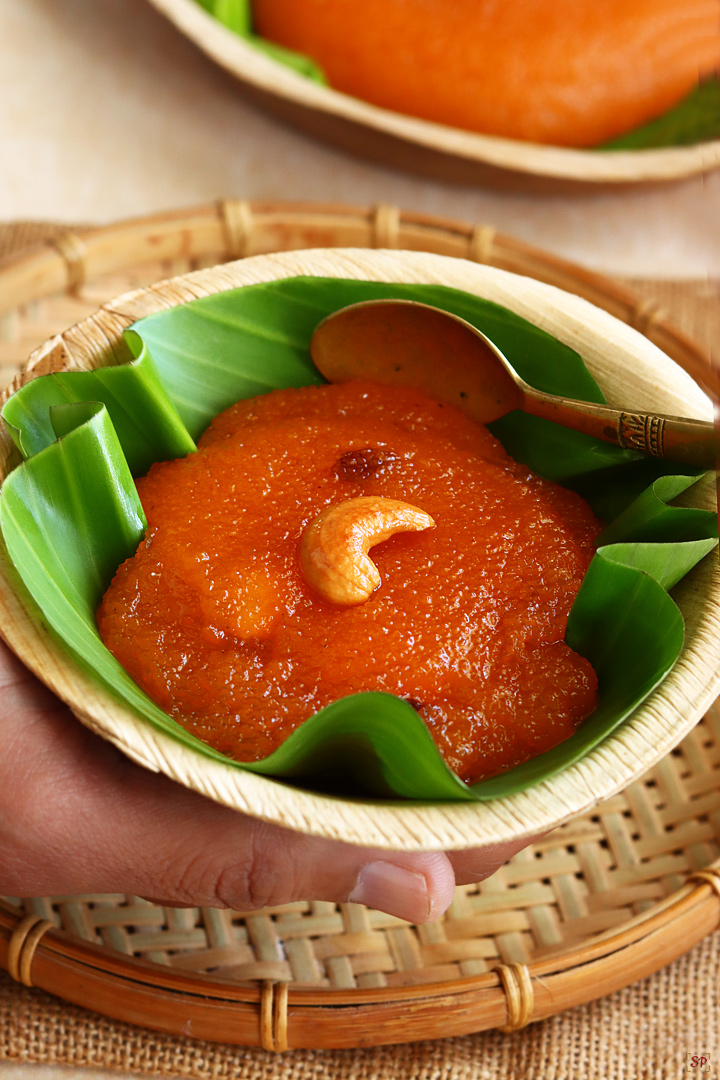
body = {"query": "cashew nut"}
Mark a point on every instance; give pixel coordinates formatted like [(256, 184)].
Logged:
[(334, 547)]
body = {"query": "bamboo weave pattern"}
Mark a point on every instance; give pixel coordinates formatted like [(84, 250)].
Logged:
[(586, 878)]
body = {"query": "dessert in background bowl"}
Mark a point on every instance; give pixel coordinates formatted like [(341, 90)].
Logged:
[(678, 136), (562, 72)]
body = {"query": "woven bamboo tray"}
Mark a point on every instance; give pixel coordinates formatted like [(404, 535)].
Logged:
[(417, 145), (597, 904)]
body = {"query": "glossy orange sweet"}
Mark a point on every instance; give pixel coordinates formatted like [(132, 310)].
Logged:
[(566, 72), (214, 620)]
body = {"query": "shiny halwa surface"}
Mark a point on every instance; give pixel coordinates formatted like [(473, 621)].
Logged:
[(214, 620)]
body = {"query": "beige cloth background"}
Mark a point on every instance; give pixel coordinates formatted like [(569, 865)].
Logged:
[(106, 111)]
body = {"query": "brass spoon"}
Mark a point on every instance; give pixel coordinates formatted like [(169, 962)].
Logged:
[(404, 343)]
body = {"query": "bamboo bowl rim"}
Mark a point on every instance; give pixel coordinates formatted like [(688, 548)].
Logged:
[(499, 157), (657, 726)]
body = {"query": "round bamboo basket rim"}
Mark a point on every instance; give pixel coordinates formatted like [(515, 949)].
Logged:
[(276, 1017), (234, 228), (275, 80), (151, 994), (658, 725)]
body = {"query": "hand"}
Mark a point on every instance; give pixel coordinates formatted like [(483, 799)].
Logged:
[(77, 816)]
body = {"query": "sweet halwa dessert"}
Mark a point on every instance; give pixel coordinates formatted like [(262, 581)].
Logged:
[(336, 539), (566, 72)]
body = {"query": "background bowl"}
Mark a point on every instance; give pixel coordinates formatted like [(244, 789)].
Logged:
[(421, 146), (629, 368)]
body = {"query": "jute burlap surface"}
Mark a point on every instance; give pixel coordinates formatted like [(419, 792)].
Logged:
[(644, 1032)]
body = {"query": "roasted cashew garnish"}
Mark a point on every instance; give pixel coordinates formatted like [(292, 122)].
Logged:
[(334, 547)]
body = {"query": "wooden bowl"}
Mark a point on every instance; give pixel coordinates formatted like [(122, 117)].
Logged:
[(629, 368), (420, 146), (596, 904)]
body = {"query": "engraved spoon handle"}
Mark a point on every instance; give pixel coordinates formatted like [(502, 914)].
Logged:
[(693, 442)]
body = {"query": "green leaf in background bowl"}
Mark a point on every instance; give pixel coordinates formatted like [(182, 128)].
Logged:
[(211, 352), (236, 15), (696, 119)]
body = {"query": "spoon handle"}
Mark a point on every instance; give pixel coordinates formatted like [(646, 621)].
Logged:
[(693, 442)]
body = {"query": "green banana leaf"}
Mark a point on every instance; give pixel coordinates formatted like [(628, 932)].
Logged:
[(146, 423), (70, 514), (237, 16), (695, 119)]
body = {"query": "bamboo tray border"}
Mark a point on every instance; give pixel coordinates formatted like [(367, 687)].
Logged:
[(422, 145), (617, 957), (277, 1018), (237, 228)]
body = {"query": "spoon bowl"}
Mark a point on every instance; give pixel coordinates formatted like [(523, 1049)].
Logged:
[(405, 343)]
